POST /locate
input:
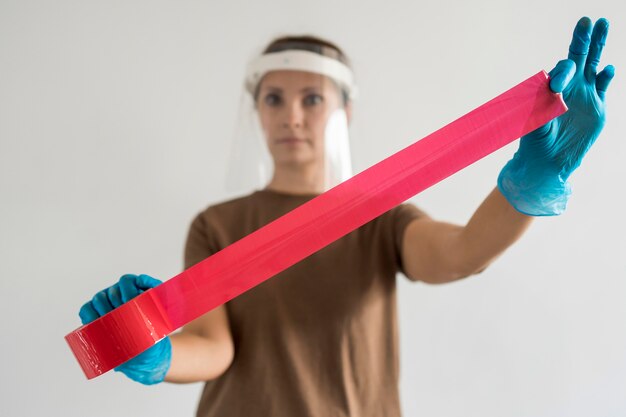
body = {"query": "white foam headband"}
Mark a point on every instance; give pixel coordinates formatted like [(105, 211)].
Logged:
[(295, 60)]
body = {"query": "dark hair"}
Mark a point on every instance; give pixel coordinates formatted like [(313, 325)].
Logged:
[(311, 44)]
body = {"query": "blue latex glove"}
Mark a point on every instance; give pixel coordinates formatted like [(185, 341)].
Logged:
[(535, 180), (150, 366)]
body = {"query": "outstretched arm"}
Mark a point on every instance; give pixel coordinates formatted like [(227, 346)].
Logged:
[(437, 252), (533, 183)]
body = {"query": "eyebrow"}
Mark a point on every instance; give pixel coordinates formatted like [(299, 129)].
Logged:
[(303, 90)]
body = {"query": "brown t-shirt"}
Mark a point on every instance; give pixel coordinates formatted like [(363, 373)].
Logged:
[(319, 339)]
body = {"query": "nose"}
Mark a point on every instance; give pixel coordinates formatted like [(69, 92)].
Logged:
[(293, 117)]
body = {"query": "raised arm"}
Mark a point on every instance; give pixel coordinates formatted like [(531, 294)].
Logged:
[(533, 183)]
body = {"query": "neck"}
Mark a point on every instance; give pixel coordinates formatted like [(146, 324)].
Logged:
[(297, 180)]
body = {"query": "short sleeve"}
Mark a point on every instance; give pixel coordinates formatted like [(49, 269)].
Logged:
[(402, 216), (201, 243)]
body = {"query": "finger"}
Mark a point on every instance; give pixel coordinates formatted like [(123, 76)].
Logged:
[(128, 288), (114, 295), (561, 75), (87, 313), (101, 304), (598, 40), (604, 79), (145, 282), (579, 47)]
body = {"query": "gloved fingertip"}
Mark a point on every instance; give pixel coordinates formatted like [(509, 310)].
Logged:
[(603, 22), (557, 84), (101, 304), (604, 79), (128, 288), (87, 313), (115, 296), (585, 22), (128, 277), (561, 75), (581, 37), (146, 282)]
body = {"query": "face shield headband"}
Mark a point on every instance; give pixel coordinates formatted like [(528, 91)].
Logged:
[(300, 61)]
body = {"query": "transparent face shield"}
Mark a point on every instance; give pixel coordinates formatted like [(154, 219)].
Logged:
[(292, 121)]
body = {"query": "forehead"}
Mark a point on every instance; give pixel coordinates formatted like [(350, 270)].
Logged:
[(295, 80)]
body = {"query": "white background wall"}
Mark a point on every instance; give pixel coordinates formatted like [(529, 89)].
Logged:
[(115, 119)]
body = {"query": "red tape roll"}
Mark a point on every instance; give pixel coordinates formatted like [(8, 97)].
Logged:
[(137, 325)]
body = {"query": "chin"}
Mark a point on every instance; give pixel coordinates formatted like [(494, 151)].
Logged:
[(293, 162)]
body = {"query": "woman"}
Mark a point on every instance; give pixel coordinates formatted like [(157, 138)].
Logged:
[(320, 339)]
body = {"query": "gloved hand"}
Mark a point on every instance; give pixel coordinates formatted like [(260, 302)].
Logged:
[(535, 180), (150, 366)]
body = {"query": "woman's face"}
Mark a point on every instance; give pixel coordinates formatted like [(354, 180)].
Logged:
[(294, 107)]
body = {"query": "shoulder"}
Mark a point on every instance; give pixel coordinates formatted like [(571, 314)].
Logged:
[(394, 223), (389, 227), (400, 216), (216, 226), (407, 210), (233, 219), (225, 209)]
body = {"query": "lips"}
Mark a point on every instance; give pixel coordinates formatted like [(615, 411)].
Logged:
[(290, 141)]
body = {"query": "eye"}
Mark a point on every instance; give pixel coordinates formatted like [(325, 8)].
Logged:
[(313, 100), (272, 99)]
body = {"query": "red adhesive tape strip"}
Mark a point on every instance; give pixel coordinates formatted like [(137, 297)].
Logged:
[(137, 325)]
